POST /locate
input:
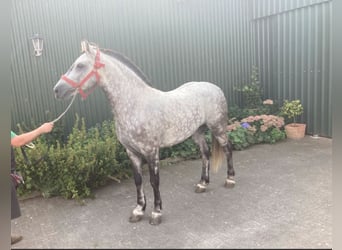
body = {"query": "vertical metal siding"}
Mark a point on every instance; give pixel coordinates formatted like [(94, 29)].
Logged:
[(293, 50), (172, 41)]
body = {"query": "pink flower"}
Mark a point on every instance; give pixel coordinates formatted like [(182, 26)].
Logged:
[(233, 126), (257, 117), (263, 128)]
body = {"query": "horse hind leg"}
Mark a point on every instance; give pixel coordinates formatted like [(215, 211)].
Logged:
[(199, 139), (228, 149), (221, 140)]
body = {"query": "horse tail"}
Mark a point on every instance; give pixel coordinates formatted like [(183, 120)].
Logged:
[(217, 154)]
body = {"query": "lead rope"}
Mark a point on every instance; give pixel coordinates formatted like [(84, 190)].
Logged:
[(60, 116), (31, 145)]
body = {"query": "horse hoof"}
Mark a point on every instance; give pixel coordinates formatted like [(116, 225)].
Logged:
[(137, 214), (230, 183), (155, 218), (135, 218), (200, 188)]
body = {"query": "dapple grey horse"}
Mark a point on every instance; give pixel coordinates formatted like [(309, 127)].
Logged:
[(147, 119)]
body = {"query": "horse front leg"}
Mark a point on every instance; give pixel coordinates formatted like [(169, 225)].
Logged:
[(139, 210), (153, 164)]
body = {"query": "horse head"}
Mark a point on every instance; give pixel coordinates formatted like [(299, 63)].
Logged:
[(83, 74)]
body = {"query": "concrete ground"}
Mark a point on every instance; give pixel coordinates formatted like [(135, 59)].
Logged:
[(282, 199)]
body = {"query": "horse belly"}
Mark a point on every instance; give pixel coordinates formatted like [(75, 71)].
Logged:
[(181, 127)]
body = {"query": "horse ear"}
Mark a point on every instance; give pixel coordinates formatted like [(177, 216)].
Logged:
[(89, 48), (84, 46)]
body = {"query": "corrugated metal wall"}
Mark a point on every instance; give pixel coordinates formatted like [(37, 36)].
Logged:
[(171, 41), (293, 53), (174, 41)]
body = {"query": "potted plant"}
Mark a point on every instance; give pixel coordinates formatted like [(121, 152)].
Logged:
[(292, 109)]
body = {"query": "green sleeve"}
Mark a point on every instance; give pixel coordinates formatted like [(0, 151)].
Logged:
[(13, 134)]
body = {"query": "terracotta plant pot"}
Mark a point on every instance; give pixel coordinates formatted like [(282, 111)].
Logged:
[(295, 130)]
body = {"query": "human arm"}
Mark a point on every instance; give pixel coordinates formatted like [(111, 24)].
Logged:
[(27, 137)]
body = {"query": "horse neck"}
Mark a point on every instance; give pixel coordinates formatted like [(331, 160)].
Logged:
[(122, 86)]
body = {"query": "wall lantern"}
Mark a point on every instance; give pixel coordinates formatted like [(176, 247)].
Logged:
[(37, 41)]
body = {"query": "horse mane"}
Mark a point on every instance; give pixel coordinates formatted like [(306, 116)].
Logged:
[(125, 60)]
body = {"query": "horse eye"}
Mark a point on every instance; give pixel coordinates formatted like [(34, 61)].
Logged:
[(80, 66)]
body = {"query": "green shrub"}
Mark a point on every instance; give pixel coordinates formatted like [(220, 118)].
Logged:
[(185, 150), (75, 168), (241, 138), (256, 129), (251, 92), (292, 109)]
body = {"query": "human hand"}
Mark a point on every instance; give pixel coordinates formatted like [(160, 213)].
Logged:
[(46, 127)]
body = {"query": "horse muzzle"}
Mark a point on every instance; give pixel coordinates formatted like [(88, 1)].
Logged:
[(63, 90)]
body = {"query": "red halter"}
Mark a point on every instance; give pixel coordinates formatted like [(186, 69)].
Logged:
[(78, 86)]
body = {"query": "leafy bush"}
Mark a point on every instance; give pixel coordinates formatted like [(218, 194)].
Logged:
[(73, 169), (256, 129), (240, 137), (251, 92), (292, 109), (186, 150)]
